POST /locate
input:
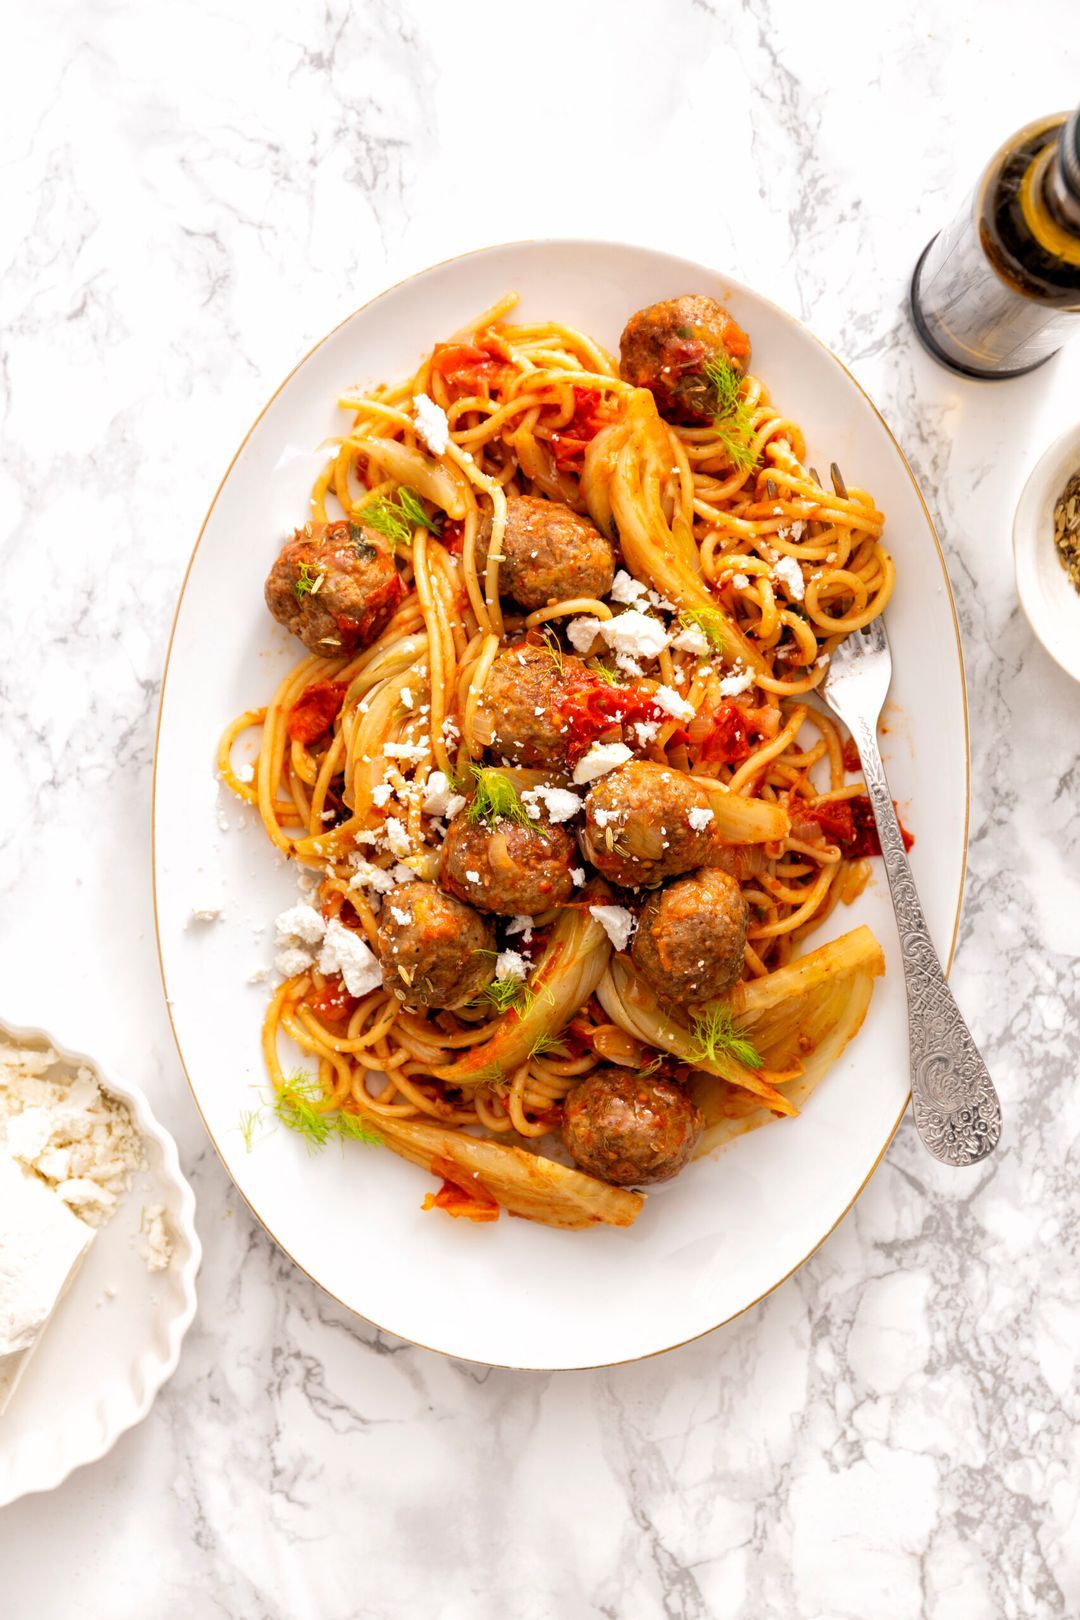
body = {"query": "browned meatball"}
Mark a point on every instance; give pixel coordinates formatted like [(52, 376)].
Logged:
[(506, 867), (550, 554), (691, 936), (667, 349), (629, 1129), (435, 951), (335, 586), (521, 713), (646, 822)]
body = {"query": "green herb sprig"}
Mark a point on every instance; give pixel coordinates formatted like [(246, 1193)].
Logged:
[(733, 419), (710, 621), (395, 517), (495, 798), (715, 1036), (306, 581), (295, 1107)]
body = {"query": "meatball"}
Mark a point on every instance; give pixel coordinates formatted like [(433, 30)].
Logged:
[(506, 867), (520, 712), (550, 554), (646, 822), (435, 951), (691, 936), (667, 349), (629, 1129), (335, 586)]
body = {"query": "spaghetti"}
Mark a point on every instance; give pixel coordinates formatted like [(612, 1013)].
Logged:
[(752, 572)]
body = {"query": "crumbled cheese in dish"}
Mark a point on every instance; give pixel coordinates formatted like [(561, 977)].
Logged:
[(473, 877), (618, 924), (245, 772), (788, 572), (732, 685), (440, 798), (666, 698), (381, 794), (42, 1245), (62, 1126), (740, 581), (400, 915), (626, 589), (560, 803), (205, 914), (577, 876), (406, 750), (522, 925), (301, 923), (348, 954), (601, 758), (431, 424), (581, 633), (157, 1245), (511, 965), (699, 817)]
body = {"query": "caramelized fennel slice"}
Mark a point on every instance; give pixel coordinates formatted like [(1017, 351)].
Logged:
[(562, 981), (623, 479), (524, 1184), (630, 1003)]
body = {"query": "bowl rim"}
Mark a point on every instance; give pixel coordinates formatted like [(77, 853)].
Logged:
[(1030, 537), (570, 244), (183, 1220)]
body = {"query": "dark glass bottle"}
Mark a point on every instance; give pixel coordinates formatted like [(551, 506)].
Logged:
[(997, 292)]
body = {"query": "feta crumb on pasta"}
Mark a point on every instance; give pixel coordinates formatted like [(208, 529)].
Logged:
[(601, 758), (618, 924), (431, 424)]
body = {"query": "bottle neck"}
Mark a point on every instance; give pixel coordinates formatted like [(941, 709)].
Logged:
[(1050, 207)]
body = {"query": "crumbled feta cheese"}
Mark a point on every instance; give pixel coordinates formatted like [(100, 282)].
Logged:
[(406, 697), (560, 803), (789, 573), (581, 633), (691, 640), (522, 925), (618, 924), (431, 424), (740, 581), (577, 876), (601, 758), (157, 1247), (440, 798), (511, 965), (699, 817), (369, 876), (397, 837), (61, 1126), (400, 915), (350, 955), (635, 635), (626, 589), (206, 914), (382, 794), (289, 960), (245, 772), (732, 685), (666, 698), (406, 750), (473, 877), (300, 923)]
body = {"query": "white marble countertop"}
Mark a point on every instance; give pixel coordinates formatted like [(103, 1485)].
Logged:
[(192, 195)]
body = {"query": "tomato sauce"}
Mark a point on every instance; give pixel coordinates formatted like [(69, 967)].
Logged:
[(569, 443), (470, 1202), (591, 709), (315, 711), (333, 1002), (849, 823)]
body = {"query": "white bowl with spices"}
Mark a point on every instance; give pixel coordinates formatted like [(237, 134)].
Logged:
[(98, 1258), (1048, 595)]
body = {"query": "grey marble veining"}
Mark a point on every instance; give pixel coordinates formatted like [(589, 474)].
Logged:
[(193, 194)]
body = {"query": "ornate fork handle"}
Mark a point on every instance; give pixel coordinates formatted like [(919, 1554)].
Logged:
[(955, 1105)]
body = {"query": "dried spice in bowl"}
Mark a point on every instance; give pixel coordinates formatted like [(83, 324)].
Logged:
[(1067, 529)]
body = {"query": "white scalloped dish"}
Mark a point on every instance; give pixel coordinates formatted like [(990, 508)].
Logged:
[(116, 1334)]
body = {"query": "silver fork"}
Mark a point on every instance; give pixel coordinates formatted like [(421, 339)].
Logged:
[(952, 1095)]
